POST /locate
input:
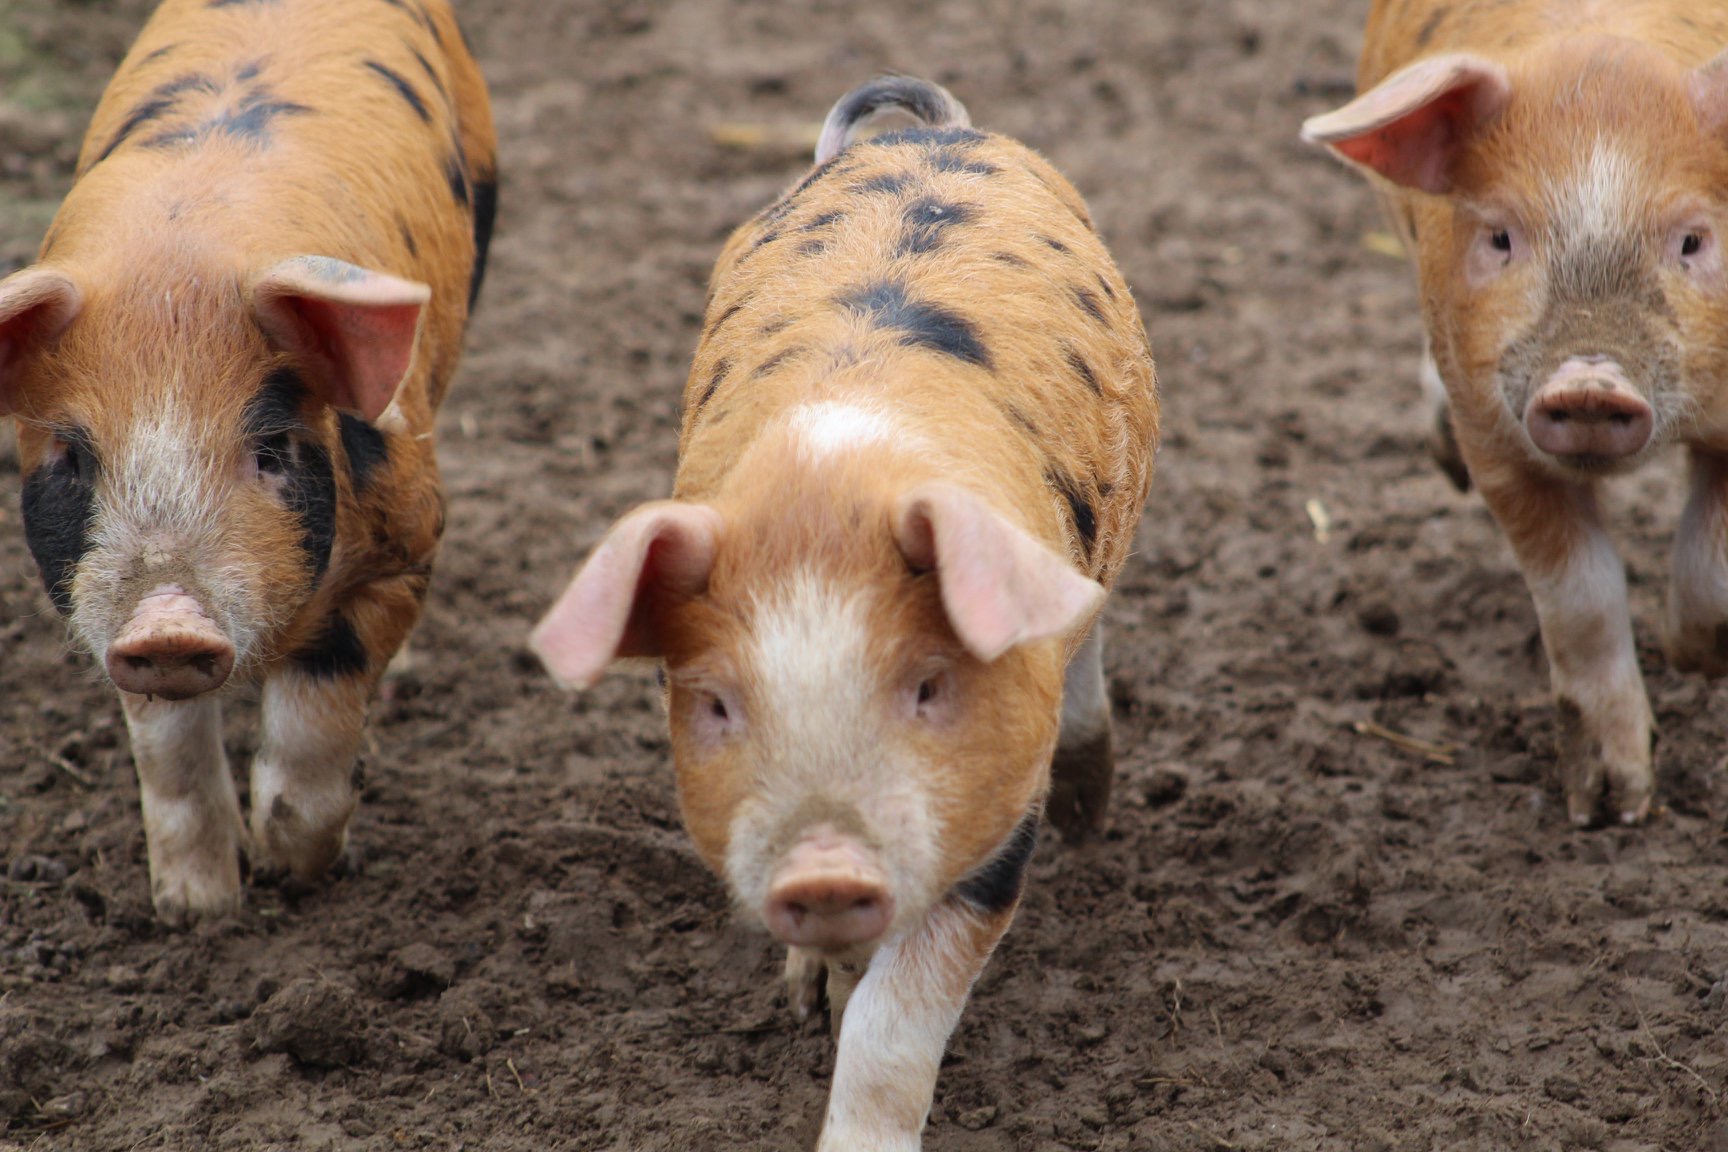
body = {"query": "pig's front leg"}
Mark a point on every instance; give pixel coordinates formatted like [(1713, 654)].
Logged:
[(192, 824), (896, 1025), (305, 778), (1579, 586), (1698, 589), (1081, 772)]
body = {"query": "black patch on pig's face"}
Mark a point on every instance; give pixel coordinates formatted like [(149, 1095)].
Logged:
[(1054, 244), (408, 240), (1425, 34), (431, 73), (364, 447), (959, 159), (163, 100), (921, 324), (59, 507), (730, 312), (403, 89), (335, 652), (995, 886), (285, 449), (926, 221)]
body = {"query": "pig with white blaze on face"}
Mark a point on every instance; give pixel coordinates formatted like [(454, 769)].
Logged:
[(224, 368), (1560, 172), (918, 433)]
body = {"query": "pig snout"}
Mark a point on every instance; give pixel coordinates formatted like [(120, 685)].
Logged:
[(828, 893), (170, 648), (1589, 409)]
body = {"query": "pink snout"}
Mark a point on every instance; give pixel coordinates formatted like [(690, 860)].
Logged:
[(1589, 409), (170, 648), (829, 893)]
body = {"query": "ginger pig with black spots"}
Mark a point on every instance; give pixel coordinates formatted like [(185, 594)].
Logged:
[(224, 368), (917, 437)]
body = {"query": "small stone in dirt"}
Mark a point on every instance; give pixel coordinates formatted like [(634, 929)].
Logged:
[(977, 1119), (318, 1022), (1166, 787), (465, 1028), (1379, 618), (1562, 1089)]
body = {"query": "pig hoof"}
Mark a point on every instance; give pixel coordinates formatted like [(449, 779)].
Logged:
[(805, 975), (1703, 650), (1080, 778), (185, 899), (288, 842)]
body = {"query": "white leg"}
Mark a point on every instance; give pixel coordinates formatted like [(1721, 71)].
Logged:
[(803, 982), (192, 824), (304, 784), (1579, 586), (1085, 762), (897, 1025), (1697, 633)]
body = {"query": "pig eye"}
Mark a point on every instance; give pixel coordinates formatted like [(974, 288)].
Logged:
[(79, 460), (927, 691), (717, 708), (1501, 240), (1692, 244)]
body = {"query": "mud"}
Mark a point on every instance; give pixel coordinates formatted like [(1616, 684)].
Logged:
[(1296, 934)]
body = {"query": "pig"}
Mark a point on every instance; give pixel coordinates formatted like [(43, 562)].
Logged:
[(917, 436), (1560, 172), (224, 368)]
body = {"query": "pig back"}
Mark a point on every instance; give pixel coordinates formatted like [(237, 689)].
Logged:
[(258, 132), (1403, 31), (954, 277)]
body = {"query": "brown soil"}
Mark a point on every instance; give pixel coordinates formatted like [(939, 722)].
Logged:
[(1295, 936)]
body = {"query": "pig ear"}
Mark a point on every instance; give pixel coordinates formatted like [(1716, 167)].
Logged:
[(667, 546), (35, 305), (1000, 587), (359, 326), (1411, 127), (1710, 93)]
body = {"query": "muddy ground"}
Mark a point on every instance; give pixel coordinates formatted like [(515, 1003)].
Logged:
[(1295, 936)]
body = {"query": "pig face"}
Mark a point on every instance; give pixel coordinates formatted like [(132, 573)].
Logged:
[(180, 493), (864, 684), (1570, 245)]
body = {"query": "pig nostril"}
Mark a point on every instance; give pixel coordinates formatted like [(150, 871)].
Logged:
[(139, 663), (206, 665)]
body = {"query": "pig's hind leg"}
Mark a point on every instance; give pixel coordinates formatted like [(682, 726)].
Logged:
[(1697, 634), (1579, 586), (192, 825), (306, 777), (1085, 761)]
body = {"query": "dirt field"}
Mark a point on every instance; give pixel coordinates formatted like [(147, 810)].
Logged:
[(1296, 935)]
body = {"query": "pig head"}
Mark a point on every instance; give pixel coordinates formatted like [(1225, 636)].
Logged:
[(857, 726), (182, 528)]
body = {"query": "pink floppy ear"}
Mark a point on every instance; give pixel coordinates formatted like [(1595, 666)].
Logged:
[(1710, 92), (667, 545), (36, 304), (1000, 587), (359, 326), (1411, 127)]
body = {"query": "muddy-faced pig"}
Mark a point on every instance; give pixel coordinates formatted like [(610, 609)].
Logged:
[(225, 367), (1561, 173), (917, 436)]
